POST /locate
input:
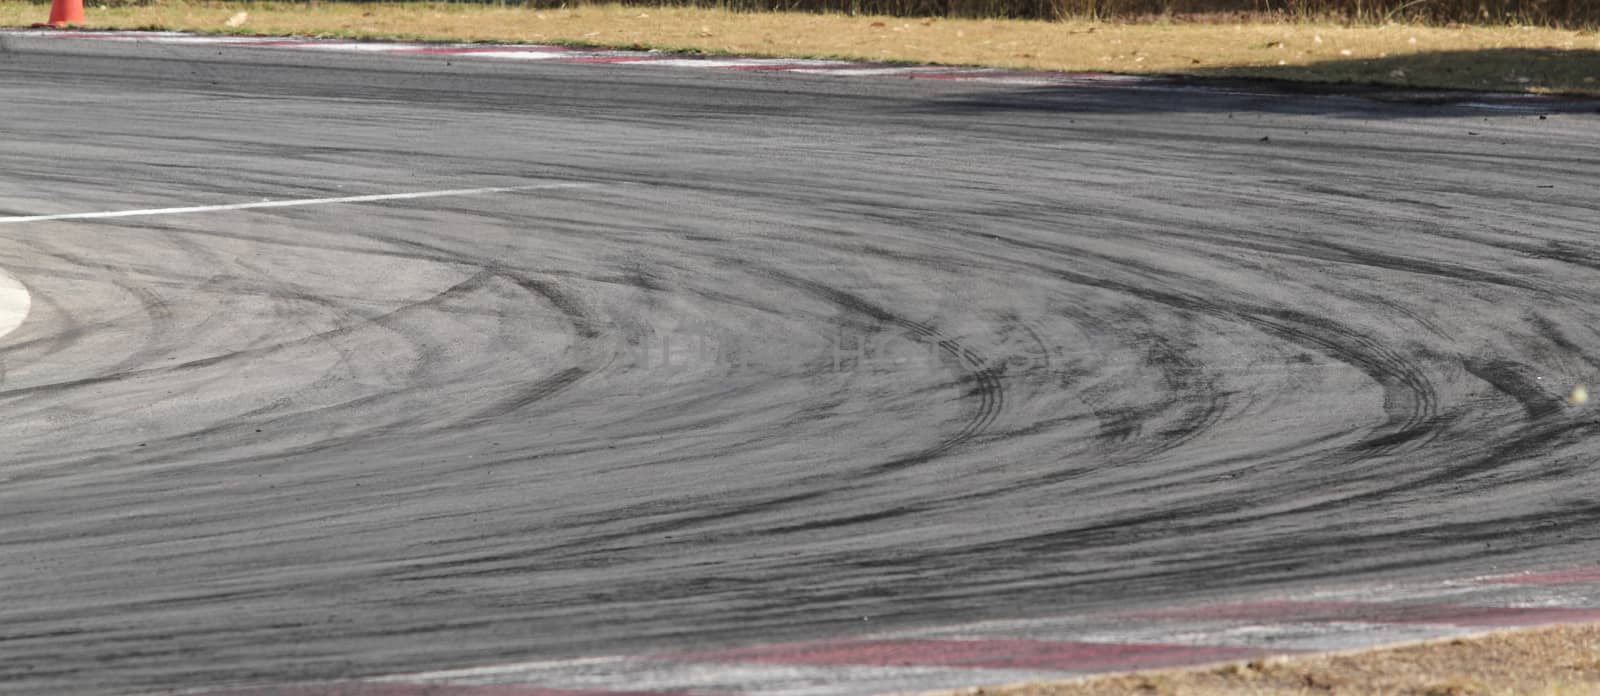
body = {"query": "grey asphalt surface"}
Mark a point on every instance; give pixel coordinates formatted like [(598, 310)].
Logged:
[(804, 356)]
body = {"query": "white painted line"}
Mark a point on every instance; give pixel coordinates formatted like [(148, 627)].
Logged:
[(14, 303), (1318, 636), (286, 204)]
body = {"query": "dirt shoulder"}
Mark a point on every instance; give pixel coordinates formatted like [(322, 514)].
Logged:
[(1554, 661), (1516, 59)]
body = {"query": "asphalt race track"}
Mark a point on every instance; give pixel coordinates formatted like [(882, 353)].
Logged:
[(750, 356)]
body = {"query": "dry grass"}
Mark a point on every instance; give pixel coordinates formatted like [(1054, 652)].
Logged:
[(1562, 13), (1492, 58), (1562, 661)]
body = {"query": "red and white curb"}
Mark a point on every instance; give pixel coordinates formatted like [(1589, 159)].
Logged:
[(1006, 652), (564, 54), (1497, 102)]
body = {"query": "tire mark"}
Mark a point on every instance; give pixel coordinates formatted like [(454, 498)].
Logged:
[(985, 390), (1509, 378)]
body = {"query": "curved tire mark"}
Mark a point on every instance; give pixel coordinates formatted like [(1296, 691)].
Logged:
[(982, 385)]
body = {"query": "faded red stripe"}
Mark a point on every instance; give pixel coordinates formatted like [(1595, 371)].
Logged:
[(993, 654), (1360, 612)]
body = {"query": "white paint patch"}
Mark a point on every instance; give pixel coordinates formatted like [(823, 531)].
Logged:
[(752, 679), (353, 47), (694, 63), (115, 35), (1020, 81), (14, 303), (729, 63), (287, 204), (182, 39), (1510, 108), (866, 72), (1313, 636), (1108, 78), (511, 55)]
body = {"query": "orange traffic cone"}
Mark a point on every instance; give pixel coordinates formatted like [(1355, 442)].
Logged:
[(66, 12)]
